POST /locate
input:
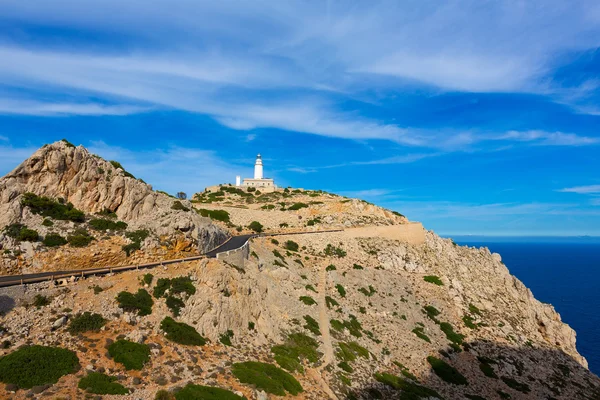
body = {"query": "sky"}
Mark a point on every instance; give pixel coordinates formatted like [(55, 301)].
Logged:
[(474, 117)]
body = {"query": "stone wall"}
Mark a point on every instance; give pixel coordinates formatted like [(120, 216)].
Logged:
[(236, 257), (412, 232)]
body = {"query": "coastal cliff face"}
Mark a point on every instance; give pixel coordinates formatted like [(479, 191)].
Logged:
[(348, 316)]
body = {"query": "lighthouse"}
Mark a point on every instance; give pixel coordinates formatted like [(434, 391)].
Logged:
[(259, 182), (258, 168)]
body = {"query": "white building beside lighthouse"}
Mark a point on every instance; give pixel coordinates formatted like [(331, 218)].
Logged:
[(259, 181)]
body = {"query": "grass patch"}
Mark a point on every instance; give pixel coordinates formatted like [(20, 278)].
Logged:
[(312, 325), (47, 207), (433, 279), (266, 377), (141, 302), (181, 333), (86, 322), (40, 301), (132, 355), (31, 366), (298, 347), (98, 383), (446, 372), (198, 392)]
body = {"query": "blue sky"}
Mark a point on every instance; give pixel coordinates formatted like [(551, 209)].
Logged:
[(475, 117)]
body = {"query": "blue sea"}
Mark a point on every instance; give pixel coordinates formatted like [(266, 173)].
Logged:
[(563, 272)]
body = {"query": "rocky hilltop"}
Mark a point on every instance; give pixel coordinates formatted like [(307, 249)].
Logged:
[(101, 190), (339, 307)]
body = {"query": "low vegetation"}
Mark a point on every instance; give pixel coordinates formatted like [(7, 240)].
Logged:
[(102, 224), (419, 331), (80, 238), (297, 206), (410, 390), (86, 322), (349, 352), (98, 383), (178, 206), (141, 302), (309, 301), (226, 337), (514, 384), (198, 392), (181, 333), (298, 347), (47, 207), (31, 366), (54, 240), (333, 251), (291, 245), (175, 286), (136, 237), (217, 215), (446, 372), (118, 165), (256, 226), (266, 377), (341, 290), (40, 301), (433, 279), (312, 325), (132, 355)]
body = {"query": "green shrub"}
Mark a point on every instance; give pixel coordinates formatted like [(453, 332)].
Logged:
[(297, 206), (468, 320), (431, 312), (452, 336), (100, 224), (98, 383), (312, 325), (297, 347), (341, 290), (275, 241), (47, 222), (166, 395), (334, 251), (256, 226), (309, 301), (178, 206), (141, 302), (370, 292), (148, 278), (31, 366), (284, 225), (28, 235), (514, 384), (47, 207), (486, 367), (353, 326), (330, 302), (54, 240), (291, 245), (40, 301), (13, 230), (217, 215), (131, 247), (179, 285), (311, 288), (181, 333), (357, 266), (474, 310), (197, 392), (118, 165), (136, 237), (132, 355), (67, 143), (330, 267), (348, 352), (85, 322), (266, 377), (433, 279), (419, 331), (446, 372), (410, 390), (175, 304), (80, 238), (226, 338)]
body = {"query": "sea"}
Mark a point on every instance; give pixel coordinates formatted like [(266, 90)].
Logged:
[(564, 272)]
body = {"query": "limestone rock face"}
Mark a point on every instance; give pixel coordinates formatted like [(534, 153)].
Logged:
[(92, 184)]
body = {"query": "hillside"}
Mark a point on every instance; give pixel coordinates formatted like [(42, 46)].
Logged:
[(353, 309)]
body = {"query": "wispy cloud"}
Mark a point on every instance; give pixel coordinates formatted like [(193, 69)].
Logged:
[(589, 189), (65, 109), (549, 138)]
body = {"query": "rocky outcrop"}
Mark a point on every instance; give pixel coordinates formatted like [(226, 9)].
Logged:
[(93, 185)]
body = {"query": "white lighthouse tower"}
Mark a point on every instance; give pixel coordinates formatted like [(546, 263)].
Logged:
[(259, 181), (258, 168)]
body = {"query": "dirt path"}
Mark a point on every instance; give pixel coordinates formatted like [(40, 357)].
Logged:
[(324, 319)]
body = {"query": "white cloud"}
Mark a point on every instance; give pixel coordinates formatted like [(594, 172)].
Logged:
[(590, 189), (3, 138), (549, 138), (64, 109)]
